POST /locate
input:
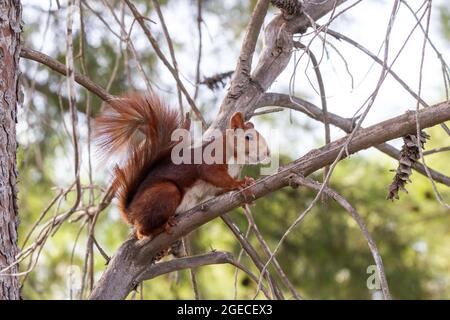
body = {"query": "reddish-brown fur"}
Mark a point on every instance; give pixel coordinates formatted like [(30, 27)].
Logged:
[(150, 186)]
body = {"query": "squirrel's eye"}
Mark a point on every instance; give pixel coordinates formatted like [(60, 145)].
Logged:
[(248, 136)]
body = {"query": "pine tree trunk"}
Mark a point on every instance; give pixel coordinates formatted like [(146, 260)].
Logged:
[(10, 28)]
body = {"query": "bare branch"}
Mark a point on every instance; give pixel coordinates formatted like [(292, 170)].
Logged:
[(436, 150), (274, 58), (241, 75), (61, 68), (354, 214), (200, 47), (248, 248), (323, 98), (215, 257), (72, 101), (283, 100), (171, 50), (268, 253), (140, 19)]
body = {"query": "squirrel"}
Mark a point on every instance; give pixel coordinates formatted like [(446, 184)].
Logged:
[(151, 188)]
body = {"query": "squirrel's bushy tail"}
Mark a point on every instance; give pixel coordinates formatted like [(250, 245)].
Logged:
[(139, 125)]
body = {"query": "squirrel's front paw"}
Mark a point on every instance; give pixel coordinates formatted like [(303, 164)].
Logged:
[(247, 193), (248, 181), (140, 235), (172, 222)]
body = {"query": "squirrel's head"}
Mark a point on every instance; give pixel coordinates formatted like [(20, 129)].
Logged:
[(248, 145)]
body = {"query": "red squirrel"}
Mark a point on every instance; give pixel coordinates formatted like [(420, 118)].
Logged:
[(149, 186)]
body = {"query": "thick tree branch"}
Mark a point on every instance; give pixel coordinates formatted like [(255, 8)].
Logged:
[(277, 51), (133, 257), (241, 76), (215, 257), (313, 9), (283, 100)]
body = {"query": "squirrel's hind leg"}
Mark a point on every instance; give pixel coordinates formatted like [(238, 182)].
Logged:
[(154, 208)]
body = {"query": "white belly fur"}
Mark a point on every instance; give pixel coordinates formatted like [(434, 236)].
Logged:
[(201, 191), (234, 170)]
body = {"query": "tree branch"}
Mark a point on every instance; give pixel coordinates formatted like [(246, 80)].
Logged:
[(249, 249), (310, 183), (154, 43), (61, 68), (275, 56), (215, 257), (283, 100), (340, 36), (241, 75), (268, 253)]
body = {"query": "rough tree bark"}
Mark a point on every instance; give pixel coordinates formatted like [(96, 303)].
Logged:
[(10, 29)]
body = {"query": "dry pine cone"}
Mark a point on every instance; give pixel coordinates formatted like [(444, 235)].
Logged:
[(408, 156), (216, 80), (290, 7)]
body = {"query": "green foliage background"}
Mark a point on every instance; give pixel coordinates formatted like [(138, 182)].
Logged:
[(326, 257)]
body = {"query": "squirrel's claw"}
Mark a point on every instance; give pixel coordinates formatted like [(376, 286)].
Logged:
[(172, 222), (249, 196), (248, 181)]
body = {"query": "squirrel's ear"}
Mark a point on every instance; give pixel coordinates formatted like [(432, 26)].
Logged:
[(237, 121)]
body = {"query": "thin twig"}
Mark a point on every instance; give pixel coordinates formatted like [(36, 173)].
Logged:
[(352, 42), (323, 98), (308, 182), (72, 100), (171, 51), (419, 91), (268, 252), (241, 253), (61, 68), (200, 47), (276, 292), (126, 37), (140, 19), (436, 150)]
